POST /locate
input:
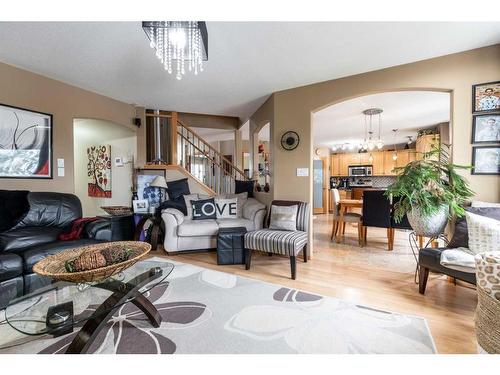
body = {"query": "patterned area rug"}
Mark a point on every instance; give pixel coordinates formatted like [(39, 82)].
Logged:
[(206, 311)]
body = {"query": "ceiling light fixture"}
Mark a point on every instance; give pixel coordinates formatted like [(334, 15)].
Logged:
[(395, 154), (370, 144), (178, 43)]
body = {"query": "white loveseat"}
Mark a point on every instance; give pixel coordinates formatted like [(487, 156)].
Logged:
[(183, 234)]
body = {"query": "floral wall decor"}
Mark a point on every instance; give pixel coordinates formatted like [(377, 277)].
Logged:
[(99, 171)]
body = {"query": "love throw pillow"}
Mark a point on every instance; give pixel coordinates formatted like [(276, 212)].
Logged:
[(204, 209), (226, 208)]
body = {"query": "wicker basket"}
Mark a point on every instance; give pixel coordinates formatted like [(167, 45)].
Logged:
[(53, 265), (117, 210)]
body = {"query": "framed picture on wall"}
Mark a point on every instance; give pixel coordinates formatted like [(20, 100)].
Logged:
[(486, 97), (486, 128), (25, 143), (486, 160), (144, 178)]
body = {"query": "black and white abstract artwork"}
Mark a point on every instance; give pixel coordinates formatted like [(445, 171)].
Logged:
[(25, 143)]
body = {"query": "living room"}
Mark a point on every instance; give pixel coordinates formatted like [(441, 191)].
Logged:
[(152, 206)]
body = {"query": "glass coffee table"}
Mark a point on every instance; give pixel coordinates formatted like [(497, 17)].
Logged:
[(60, 307)]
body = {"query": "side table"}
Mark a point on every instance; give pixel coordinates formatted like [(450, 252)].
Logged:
[(122, 226), (154, 232)]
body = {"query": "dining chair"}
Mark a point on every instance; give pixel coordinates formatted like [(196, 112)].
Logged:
[(377, 213), (348, 217)]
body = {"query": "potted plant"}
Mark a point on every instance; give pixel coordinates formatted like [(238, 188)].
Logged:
[(429, 191)]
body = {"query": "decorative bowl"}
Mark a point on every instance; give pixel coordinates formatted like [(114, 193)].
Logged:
[(54, 265), (117, 210)]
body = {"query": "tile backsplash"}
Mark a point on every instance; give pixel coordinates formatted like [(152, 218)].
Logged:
[(382, 181)]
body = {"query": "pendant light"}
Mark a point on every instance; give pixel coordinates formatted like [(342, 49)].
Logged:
[(395, 154)]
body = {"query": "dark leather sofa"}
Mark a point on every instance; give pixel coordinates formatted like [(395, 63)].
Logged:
[(36, 236)]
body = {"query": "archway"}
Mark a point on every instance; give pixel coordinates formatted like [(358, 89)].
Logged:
[(340, 128)]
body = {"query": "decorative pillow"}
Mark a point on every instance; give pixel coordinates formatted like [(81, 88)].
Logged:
[(244, 187), (460, 235), (226, 208), (178, 188), (488, 273), (484, 233), (283, 217), (178, 203), (242, 200), (204, 209), (189, 208)]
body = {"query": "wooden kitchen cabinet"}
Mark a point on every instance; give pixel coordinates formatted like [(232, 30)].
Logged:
[(426, 143), (335, 165), (389, 163), (364, 159), (403, 158), (377, 163), (344, 164)]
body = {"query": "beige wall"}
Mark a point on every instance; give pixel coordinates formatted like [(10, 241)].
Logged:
[(265, 114), (292, 110), (123, 144), (24, 89)]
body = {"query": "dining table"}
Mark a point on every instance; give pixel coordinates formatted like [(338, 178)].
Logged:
[(344, 206)]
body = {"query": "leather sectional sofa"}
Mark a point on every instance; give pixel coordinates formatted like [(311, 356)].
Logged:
[(36, 236)]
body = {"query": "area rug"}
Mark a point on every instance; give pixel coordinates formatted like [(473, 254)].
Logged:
[(206, 311)]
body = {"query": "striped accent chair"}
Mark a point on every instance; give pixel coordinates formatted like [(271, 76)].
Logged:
[(289, 243)]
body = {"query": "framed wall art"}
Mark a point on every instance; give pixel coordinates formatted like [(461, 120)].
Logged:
[(486, 160), (486, 97), (486, 128), (99, 171), (25, 143)]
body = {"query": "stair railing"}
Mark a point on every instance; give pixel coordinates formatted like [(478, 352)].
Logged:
[(204, 162)]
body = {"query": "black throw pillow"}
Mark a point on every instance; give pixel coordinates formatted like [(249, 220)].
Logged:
[(204, 209), (244, 187), (461, 234), (177, 188), (178, 203)]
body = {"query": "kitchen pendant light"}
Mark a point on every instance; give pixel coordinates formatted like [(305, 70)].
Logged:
[(370, 144), (395, 154)]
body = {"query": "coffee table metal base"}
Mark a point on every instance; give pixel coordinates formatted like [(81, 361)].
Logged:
[(122, 292)]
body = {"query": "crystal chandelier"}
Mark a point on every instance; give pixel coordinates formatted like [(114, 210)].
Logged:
[(369, 143), (179, 43)]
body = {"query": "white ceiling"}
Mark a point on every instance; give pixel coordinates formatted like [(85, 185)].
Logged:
[(247, 60), (407, 111)]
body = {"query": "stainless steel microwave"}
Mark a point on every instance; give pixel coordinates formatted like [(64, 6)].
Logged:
[(360, 170)]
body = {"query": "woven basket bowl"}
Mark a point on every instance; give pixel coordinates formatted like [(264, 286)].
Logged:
[(53, 265), (117, 210)]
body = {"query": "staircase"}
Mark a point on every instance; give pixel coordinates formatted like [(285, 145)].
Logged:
[(204, 162), (191, 153)]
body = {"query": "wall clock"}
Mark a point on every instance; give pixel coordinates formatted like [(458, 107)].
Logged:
[(290, 140)]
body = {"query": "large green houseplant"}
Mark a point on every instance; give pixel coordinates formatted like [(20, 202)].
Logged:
[(429, 191)]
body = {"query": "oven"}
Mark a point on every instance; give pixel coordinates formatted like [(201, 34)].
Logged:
[(360, 170)]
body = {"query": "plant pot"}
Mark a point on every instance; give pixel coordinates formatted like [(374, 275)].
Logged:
[(428, 226)]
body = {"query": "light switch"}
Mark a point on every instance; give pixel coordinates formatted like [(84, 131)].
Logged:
[(302, 172), (60, 163), (60, 172)]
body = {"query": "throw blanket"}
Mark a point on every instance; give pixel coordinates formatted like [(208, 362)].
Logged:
[(14, 206), (76, 229), (460, 259)]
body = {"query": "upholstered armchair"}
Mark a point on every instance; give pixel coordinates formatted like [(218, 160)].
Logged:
[(283, 242)]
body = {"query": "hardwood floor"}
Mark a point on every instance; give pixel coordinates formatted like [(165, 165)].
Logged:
[(370, 276)]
